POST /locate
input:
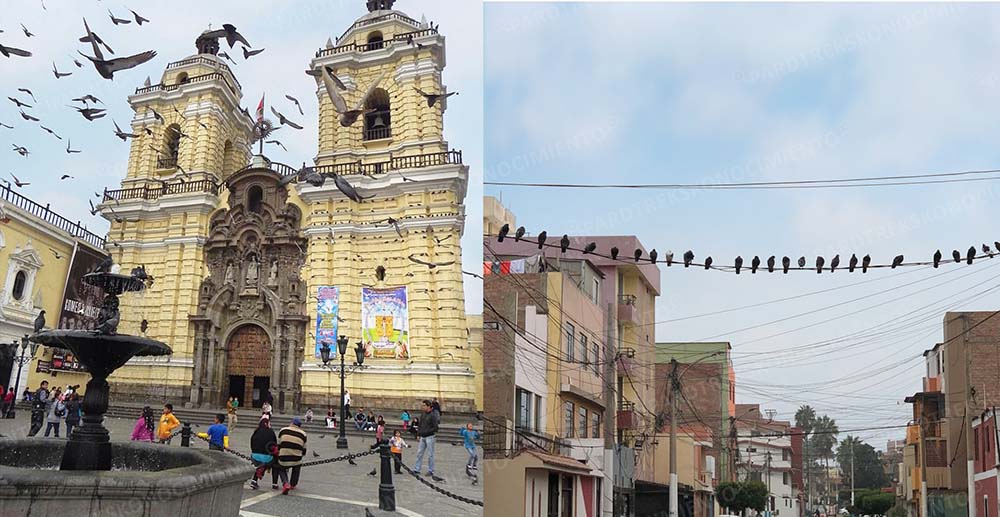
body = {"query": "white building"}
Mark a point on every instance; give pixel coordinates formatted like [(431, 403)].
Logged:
[(765, 454)]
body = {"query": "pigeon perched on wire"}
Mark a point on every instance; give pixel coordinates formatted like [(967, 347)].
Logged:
[(541, 239), (802, 262), (835, 263), (739, 264), (853, 263), (614, 253), (898, 260), (865, 262), (652, 256), (754, 265), (688, 257), (937, 258), (637, 255), (564, 243), (819, 264), (708, 262), (970, 255), (956, 255), (669, 258), (519, 234), (770, 264), (785, 264)]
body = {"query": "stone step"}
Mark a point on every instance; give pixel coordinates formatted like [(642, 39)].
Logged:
[(447, 432)]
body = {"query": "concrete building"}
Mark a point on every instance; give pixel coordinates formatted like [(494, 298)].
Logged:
[(697, 477), (924, 474), (252, 276), (708, 385), (544, 430), (765, 453), (986, 466), (38, 248), (496, 215)]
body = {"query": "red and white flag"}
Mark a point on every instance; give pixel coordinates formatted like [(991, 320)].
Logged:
[(260, 109)]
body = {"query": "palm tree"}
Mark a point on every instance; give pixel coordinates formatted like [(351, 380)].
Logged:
[(825, 438), (805, 419)]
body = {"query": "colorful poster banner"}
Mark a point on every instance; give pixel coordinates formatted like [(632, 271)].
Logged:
[(327, 309), (385, 328)]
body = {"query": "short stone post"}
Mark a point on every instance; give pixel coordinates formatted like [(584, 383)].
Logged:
[(186, 434), (386, 492)]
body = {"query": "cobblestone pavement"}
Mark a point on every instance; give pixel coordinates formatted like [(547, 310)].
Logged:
[(335, 488)]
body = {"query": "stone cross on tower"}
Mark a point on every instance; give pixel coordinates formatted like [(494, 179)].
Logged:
[(379, 5)]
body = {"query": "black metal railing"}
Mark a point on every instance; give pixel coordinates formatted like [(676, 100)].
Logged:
[(398, 163), (166, 162), (377, 133), (399, 39), (201, 60), (147, 192), (372, 21), (46, 214), (191, 80)]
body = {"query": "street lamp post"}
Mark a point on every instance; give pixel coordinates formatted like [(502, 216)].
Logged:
[(325, 355), (22, 360)]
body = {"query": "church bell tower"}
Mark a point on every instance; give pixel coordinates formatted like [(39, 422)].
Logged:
[(188, 134), (405, 232)]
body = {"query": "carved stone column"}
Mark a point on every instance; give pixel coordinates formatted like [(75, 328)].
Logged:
[(196, 380)]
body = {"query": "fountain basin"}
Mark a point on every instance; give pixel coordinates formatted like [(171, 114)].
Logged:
[(100, 353), (146, 479)]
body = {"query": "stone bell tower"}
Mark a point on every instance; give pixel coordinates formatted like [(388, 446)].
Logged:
[(414, 190), (190, 135)]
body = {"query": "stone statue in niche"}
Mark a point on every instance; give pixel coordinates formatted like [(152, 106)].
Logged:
[(252, 272), (272, 278), (229, 273)]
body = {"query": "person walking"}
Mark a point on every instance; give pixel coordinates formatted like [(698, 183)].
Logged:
[(396, 444), (218, 434), (168, 422), (39, 405), (231, 408), (405, 417), (469, 436), (291, 449), (347, 401), (263, 446), (8, 402), (72, 413), (57, 410), (143, 430), (428, 434)]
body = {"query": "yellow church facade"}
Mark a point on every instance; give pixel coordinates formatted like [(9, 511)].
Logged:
[(252, 274)]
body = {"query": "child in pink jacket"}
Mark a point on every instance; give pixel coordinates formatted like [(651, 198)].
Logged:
[(143, 430)]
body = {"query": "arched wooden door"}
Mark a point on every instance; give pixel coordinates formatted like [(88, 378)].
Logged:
[(248, 366)]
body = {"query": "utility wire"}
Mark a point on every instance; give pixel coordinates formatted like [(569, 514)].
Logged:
[(784, 184)]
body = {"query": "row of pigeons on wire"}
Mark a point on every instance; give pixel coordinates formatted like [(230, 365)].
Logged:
[(770, 264)]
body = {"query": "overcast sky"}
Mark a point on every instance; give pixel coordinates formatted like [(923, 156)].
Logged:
[(289, 31), (686, 93)]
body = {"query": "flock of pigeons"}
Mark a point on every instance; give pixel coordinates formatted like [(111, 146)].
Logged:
[(105, 67), (771, 264)]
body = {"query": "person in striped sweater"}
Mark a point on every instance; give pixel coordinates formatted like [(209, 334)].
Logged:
[(291, 449)]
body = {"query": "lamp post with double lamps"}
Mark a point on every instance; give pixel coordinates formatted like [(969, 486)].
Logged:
[(28, 350), (324, 352)]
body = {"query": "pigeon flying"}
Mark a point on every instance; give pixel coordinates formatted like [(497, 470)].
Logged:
[(107, 69), (11, 51)]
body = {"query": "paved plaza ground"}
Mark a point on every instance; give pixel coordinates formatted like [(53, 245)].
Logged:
[(335, 488)]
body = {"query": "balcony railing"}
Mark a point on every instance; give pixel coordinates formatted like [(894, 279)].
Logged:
[(500, 440), (191, 80), (627, 418), (44, 213), (399, 163), (399, 39), (377, 133), (377, 19), (201, 60), (627, 312), (625, 363), (146, 192), (166, 162)]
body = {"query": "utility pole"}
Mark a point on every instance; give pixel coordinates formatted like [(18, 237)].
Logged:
[(674, 391), (852, 473), (611, 413), (923, 468), (767, 468)]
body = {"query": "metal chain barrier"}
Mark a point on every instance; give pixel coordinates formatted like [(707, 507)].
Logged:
[(439, 489), (308, 464), (339, 458)]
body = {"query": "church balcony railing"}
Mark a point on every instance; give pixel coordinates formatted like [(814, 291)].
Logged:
[(147, 192), (399, 39), (196, 79), (46, 214), (378, 19), (201, 60), (398, 163), (377, 133)]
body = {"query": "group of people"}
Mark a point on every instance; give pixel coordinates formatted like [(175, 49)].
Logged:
[(281, 454), (51, 409)]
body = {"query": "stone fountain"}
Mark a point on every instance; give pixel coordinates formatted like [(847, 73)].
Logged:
[(89, 474)]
